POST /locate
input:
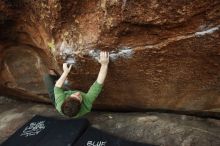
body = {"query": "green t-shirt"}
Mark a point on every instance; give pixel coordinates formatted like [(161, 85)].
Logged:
[(87, 98)]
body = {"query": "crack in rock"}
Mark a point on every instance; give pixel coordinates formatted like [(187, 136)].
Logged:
[(178, 38), (127, 52)]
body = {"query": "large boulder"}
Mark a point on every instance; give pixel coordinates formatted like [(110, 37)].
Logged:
[(164, 55)]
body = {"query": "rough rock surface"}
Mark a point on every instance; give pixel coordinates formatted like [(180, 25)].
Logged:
[(164, 54), (154, 128)]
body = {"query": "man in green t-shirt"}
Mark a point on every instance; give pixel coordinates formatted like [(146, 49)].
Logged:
[(74, 103)]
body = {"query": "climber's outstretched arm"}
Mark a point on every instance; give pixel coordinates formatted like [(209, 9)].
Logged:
[(96, 88), (103, 60), (62, 78)]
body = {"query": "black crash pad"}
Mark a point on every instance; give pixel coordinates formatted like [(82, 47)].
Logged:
[(95, 137), (45, 131)]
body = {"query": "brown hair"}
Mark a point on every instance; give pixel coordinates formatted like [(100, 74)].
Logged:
[(70, 107)]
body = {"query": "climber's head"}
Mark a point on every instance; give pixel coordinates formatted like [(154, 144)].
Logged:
[(71, 105)]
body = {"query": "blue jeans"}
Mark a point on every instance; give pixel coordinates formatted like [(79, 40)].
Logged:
[(49, 81)]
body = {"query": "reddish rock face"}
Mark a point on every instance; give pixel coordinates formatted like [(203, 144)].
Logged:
[(163, 54)]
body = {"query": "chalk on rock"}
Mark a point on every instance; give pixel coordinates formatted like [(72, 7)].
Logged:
[(70, 60)]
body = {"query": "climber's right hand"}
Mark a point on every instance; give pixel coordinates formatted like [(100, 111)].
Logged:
[(67, 69)]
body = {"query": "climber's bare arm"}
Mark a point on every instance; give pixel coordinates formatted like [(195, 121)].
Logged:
[(103, 60), (62, 78)]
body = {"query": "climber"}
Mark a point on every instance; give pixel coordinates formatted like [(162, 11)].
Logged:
[(74, 103)]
